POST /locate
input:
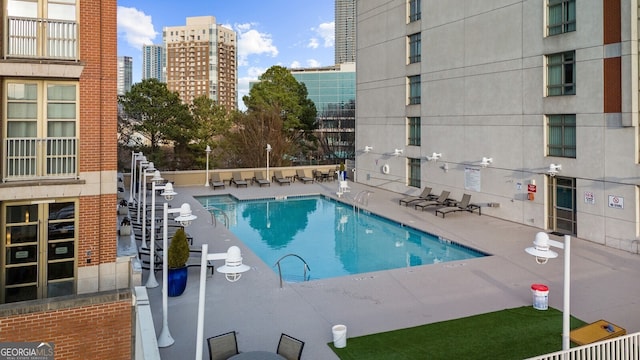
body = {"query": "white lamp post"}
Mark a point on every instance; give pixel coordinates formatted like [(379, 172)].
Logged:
[(268, 151), (134, 163), (143, 163), (151, 280), (206, 178), (542, 253), (144, 175), (233, 269), (185, 219)]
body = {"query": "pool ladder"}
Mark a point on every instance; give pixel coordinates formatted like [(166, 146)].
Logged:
[(212, 210), (305, 267), (361, 199)]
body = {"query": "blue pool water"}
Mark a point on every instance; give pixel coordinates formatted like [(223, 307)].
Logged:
[(330, 236)]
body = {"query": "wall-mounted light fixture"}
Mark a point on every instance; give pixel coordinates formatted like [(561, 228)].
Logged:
[(434, 157), (445, 167), (554, 169), (368, 148), (486, 161), (398, 152)]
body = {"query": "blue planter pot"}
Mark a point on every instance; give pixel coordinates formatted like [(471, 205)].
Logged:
[(177, 281)]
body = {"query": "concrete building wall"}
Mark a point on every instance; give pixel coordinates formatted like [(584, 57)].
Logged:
[(483, 94)]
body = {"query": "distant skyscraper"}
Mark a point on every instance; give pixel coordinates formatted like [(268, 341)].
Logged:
[(153, 62), (201, 60), (125, 69), (345, 31)]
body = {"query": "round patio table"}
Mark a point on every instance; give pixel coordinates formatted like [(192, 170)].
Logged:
[(257, 355)]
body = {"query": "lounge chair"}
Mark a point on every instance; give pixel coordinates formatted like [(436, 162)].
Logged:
[(222, 347), (302, 176), (424, 195), (463, 205), (440, 201), (237, 180), (215, 181), (289, 347), (281, 179), (257, 176)]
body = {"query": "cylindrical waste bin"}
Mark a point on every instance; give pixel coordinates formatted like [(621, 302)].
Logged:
[(339, 336), (540, 296)]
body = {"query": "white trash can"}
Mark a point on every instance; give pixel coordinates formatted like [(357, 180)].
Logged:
[(339, 336), (540, 296)]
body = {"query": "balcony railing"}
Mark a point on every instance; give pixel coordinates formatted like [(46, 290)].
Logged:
[(34, 158), (42, 38)]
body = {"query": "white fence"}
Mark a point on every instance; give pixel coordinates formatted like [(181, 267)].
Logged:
[(625, 347)]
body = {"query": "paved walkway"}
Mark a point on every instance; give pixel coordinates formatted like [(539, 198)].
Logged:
[(604, 282)]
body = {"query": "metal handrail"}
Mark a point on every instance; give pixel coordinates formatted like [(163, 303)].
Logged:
[(362, 198), (212, 210), (306, 267)]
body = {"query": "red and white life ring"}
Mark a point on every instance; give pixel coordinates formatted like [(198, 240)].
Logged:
[(385, 168)]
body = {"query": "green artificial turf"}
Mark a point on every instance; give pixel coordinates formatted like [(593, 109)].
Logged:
[(507, 334)]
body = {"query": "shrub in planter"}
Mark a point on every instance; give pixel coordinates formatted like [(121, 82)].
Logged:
[(125, 226), (178, 254)]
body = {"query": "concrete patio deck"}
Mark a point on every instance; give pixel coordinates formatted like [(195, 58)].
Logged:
[(604, 282)]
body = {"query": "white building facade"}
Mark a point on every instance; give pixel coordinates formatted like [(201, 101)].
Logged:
[(530, 85)]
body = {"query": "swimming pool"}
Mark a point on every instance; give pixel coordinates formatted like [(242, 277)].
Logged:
[(333, 238)]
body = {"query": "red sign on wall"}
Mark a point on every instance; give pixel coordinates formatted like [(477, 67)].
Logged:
[(531, 188)]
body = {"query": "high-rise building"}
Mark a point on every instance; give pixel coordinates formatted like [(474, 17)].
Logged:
[(153, 62), (333, 90), (345, 31), (62, 280), (125, 74), (202, 60), (547, 91)]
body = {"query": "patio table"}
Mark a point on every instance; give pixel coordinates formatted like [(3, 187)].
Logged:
[(257, 355)]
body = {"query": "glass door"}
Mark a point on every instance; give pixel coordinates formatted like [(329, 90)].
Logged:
[(562, 205)]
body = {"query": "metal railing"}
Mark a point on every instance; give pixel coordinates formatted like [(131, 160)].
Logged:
[(42, 38), (214, 220), (625, 347), (36, 158), (146, 345), (305, 267)]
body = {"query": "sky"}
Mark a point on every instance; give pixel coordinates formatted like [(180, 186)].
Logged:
[(290, 33)]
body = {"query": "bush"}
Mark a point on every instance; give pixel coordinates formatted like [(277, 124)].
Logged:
[(178, 250)]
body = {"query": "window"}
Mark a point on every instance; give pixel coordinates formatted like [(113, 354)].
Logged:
[(414, 10), (40, 248), (414, 89), (561, 16), (561, 72), (562, 135), (41, 129), (414, 131), (415, 48), (414, 172)]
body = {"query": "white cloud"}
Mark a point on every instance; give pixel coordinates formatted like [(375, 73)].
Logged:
[(327, 32), (135, 26), (313, 43), (313, 63), (243, 83), (253, 42), (295, 65)]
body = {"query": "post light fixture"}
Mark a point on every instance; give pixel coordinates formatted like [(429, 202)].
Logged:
[(368, 148), (434, 157), (151, 280), (541, 251), (486, 161), (232, 269), (206, 178), (143, 164), (165, 339), (268, 149), (144, 175), (134, 163)]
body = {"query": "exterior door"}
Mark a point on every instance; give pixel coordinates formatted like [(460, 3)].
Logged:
[(562, 205)]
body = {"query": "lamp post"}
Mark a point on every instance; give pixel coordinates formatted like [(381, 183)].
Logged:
[(143, 163), (541, 251), (144, 175), (206, 178), (268, 148), (233, 269), (132, 181), (151, 280), (185, 218)]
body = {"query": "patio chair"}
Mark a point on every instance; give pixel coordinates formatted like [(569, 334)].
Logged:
[(440, 201), (424, 195), (289, 347), (257, 176), (237, 180), (223, 346), (302, 176), (463, 205), (215, 181), (281, 179)]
